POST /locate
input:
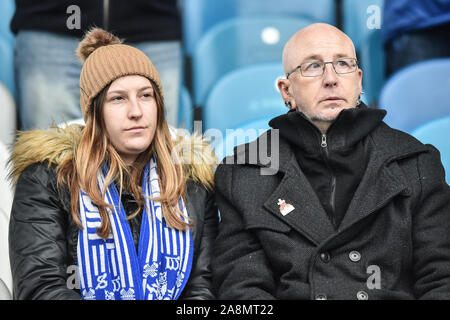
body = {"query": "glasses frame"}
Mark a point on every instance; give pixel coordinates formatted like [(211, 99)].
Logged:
[(323, 68)]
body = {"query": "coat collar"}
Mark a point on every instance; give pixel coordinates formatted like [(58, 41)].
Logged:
[(382, 181), (271, 150), (351, 126)]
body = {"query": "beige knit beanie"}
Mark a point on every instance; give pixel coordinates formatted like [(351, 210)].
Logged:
[(107, 59)]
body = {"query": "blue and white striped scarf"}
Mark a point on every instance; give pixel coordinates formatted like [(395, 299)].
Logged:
[(110, 269)]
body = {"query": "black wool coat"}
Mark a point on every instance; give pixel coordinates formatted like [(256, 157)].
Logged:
[(393, 242)]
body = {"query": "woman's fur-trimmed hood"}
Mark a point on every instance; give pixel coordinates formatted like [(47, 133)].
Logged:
[(57, 144)]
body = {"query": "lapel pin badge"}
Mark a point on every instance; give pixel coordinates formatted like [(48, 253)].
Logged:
[(285, 208)]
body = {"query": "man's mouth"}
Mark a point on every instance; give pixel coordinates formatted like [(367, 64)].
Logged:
[(332, 99)]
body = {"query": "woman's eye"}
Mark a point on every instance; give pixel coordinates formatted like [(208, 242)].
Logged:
[(147, 95), (117, 98)]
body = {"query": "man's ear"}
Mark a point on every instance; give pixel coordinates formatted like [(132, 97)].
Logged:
[(360, 75), (283, 86)]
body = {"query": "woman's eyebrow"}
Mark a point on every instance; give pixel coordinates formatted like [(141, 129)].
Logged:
[(125, 91)]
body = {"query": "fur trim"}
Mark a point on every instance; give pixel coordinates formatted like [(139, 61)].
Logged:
[(53, 145), (57, 144)]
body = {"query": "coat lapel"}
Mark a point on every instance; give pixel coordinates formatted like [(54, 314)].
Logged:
[(308, 217), (380, 183), (383, 178)]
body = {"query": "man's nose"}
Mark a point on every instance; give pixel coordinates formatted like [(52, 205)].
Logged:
[(330, 78)]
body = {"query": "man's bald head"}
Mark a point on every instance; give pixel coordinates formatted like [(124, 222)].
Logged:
[(317, 34), (323, 96)]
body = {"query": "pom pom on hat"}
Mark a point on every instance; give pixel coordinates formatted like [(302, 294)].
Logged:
[(105, 59), (94, 39)]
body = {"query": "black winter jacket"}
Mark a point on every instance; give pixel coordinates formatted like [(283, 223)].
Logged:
[(393, 241), (334, 173), (43, 236)]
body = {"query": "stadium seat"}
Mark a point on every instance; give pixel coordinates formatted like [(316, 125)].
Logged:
[(437, 133), (201, 15), (8, 118), (6, 199), (259, 124), (7, 65), (185, 110), (245, 133), (372, 63), (360, 18), (244, 95), (236, 43), (417, 94), (7, 8)]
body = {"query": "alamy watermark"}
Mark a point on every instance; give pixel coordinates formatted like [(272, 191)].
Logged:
[(74, 20), (374, 280), (253, 147), (374, 19)]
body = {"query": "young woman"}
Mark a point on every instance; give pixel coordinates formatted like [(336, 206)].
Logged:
[(109, 210)]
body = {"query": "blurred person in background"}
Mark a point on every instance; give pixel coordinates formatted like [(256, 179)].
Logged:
[(47, 34), (415, 30), (113, 198)]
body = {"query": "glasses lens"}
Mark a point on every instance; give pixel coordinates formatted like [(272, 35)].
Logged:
[(312, 69), (345, 65), (316, 68)]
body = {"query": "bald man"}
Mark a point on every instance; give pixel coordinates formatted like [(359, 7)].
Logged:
[(320, 93), (356, 210)]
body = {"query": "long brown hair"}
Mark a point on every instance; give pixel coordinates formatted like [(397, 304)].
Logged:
[(95, 149)]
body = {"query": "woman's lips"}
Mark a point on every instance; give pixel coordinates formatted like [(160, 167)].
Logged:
[(136, 129)]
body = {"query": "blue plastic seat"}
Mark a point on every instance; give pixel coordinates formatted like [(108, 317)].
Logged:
[(7, 8), (360, 17), (362, 20), (201, 15), (372, 64), (185, 110), (417, 94), (8, 119), (261, 124), (236, 43), (244, 95), (7, 65), (437, 133), (243, 134)]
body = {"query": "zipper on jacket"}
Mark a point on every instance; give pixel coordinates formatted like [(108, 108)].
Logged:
[(324, 141), (332, 200), (105, 14)]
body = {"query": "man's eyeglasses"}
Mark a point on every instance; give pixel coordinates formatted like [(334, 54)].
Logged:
[(317, 68)]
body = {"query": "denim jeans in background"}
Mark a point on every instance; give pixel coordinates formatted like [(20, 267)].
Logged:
[(48, 76)]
